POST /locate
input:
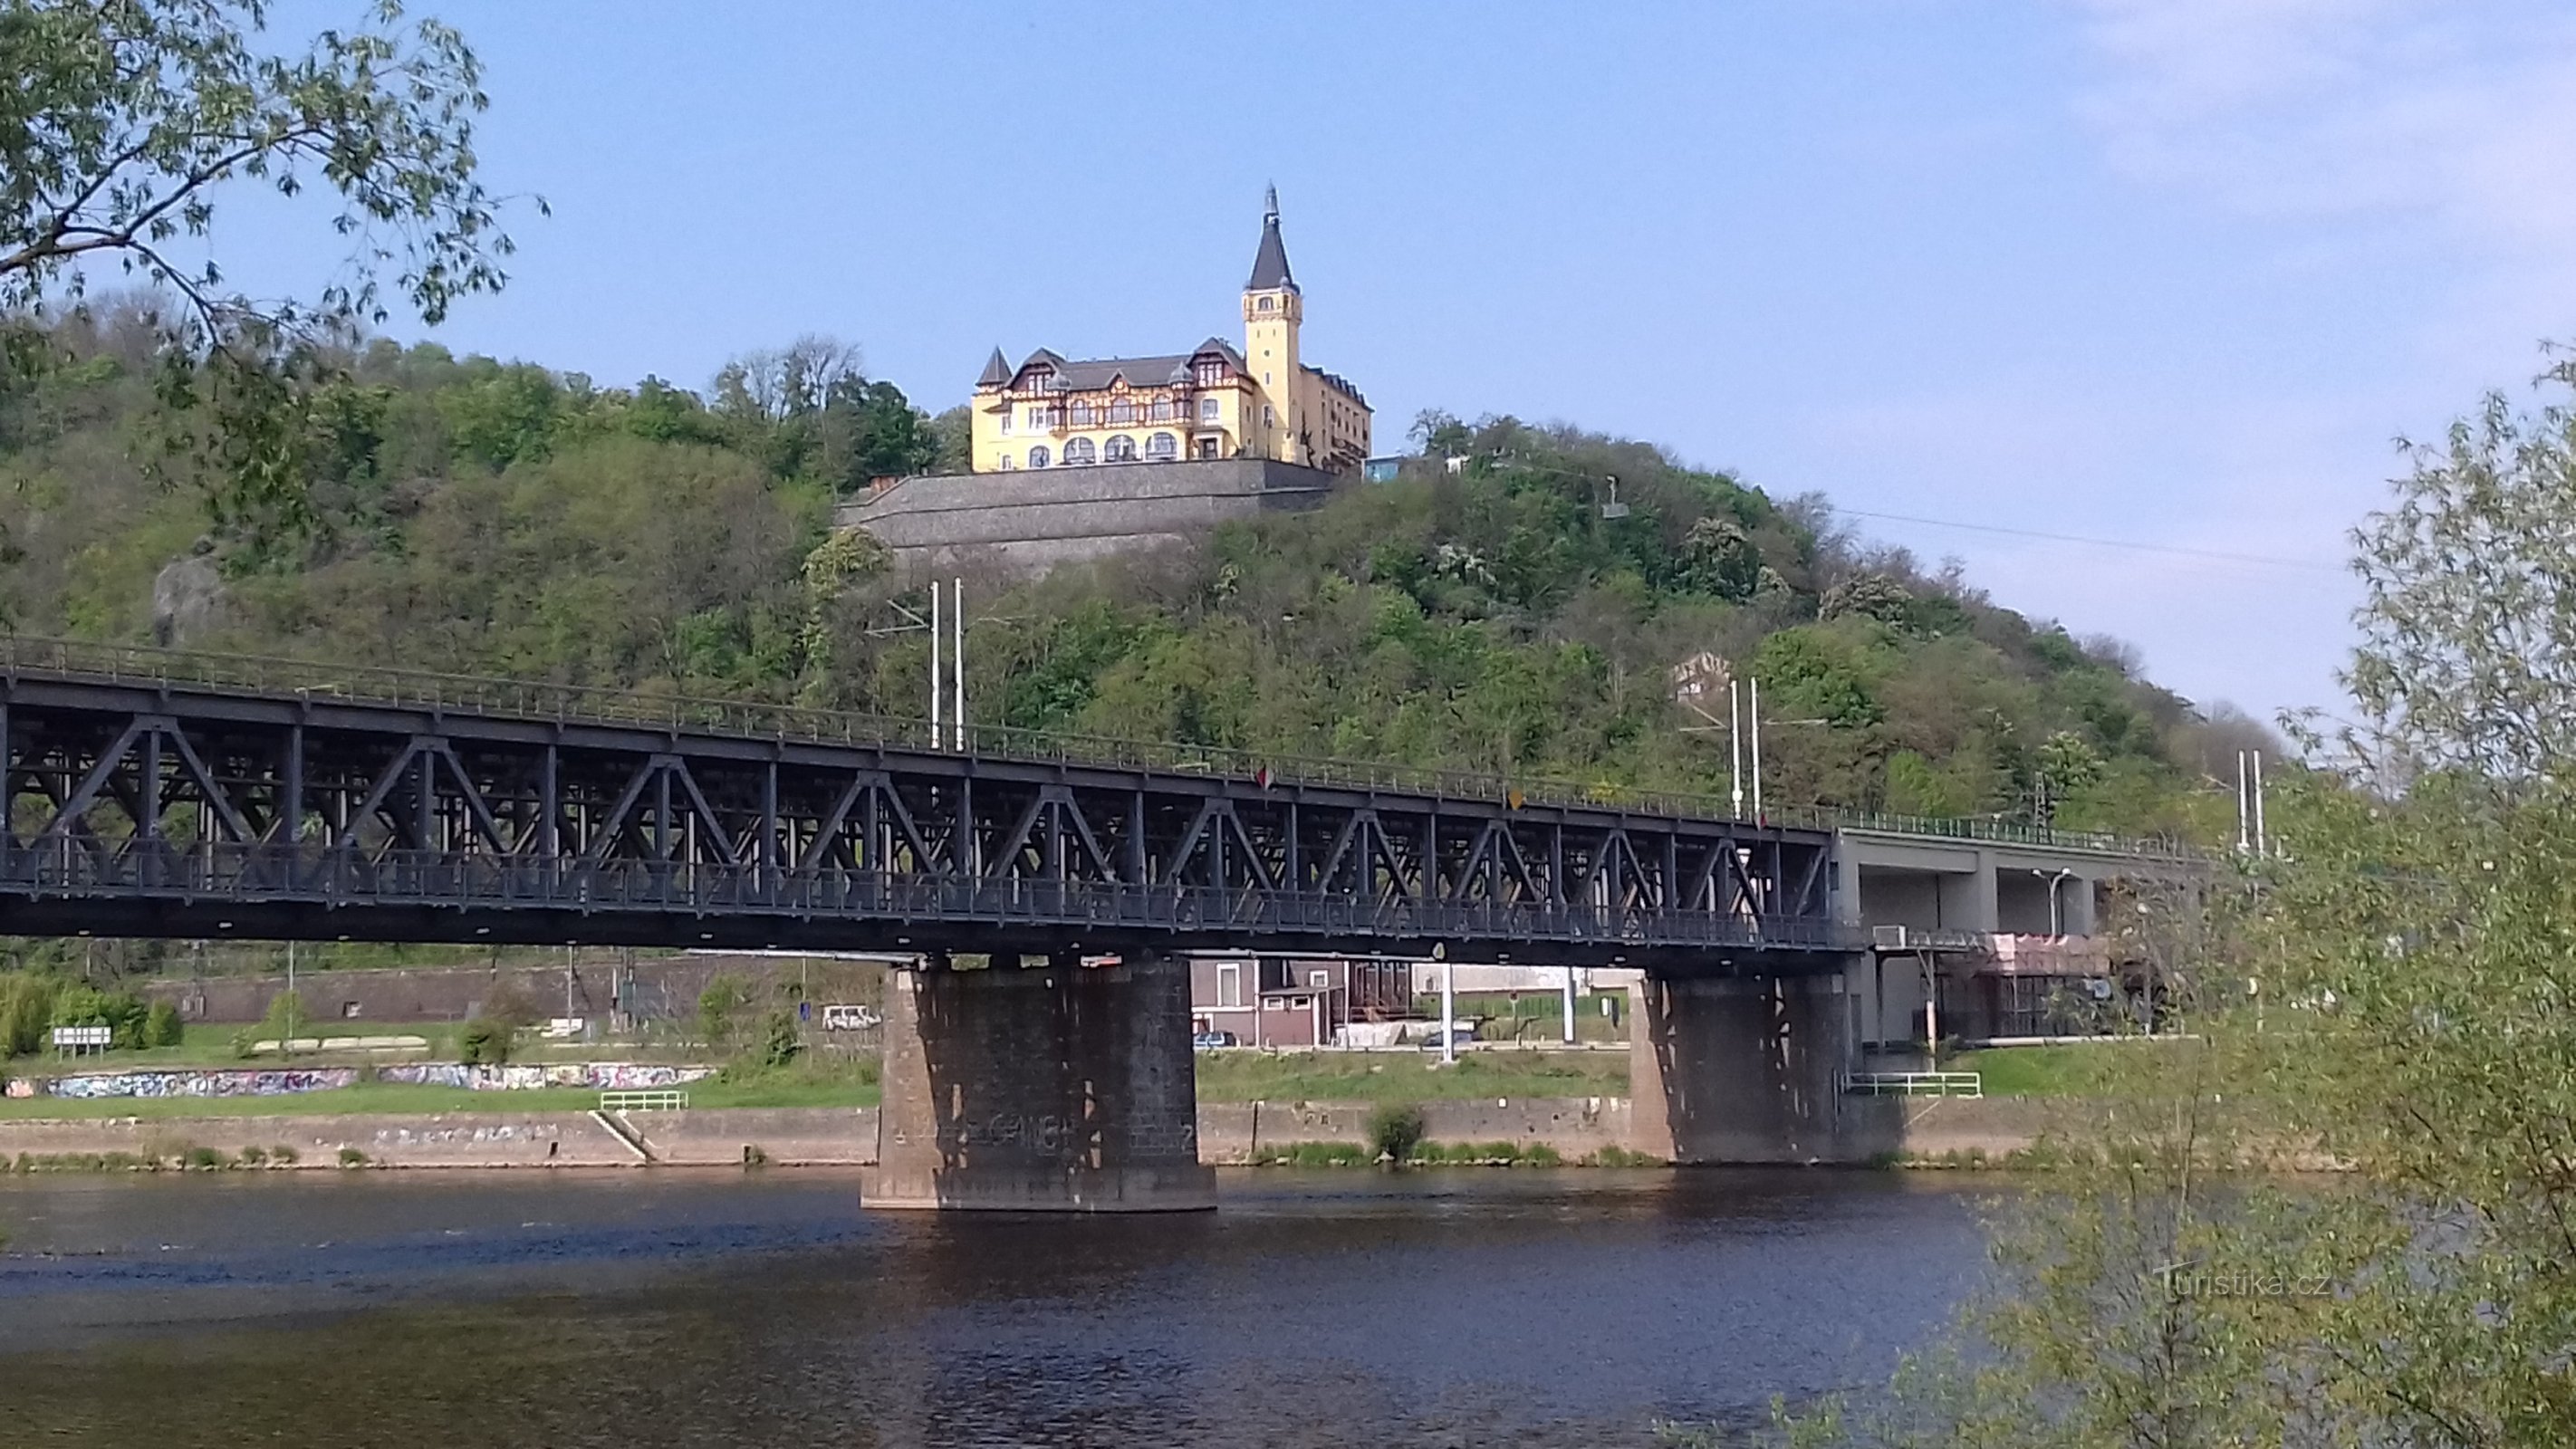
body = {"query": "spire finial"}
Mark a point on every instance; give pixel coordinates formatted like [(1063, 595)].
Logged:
[(1270, 205)]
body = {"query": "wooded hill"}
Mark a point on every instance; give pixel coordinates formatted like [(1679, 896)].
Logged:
[(489, 518)]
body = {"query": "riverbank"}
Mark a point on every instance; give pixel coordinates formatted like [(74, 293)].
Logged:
[(1926, 1132)]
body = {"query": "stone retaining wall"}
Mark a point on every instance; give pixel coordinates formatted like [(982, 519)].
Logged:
[(1032, 520), (1228, 1132)]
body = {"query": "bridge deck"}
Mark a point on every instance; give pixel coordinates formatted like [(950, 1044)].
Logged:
[(260, 805)]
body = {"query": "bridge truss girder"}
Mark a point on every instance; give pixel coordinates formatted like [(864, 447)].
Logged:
[(139, 810)]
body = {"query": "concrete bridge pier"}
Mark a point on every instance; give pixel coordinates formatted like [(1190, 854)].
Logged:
[(1742, 1069), (1050, 1088)]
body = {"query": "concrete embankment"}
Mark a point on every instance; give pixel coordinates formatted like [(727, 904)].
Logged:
[(1233, 1133), (1229, 1133), (787, 1136)]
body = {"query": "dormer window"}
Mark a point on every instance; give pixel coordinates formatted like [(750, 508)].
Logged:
[(1036, 379), (1211, 372)]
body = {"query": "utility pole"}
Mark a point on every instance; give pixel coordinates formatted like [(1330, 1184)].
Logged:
[(935, 680), (1755, 690), (1735, 745), (957, 658), (1569, 1006), (1448, 1012)]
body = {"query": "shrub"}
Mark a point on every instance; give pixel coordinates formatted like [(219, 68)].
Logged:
[(282, 1156), (718, 1005), (352, 1157), (285, 1019), (201, 1158), (162, 1027), (253, 1157), (1395, 1130), (246, 1043), (26, 1009), (780, 1040), (485, 1042)]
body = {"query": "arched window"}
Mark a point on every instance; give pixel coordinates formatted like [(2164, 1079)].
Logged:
[(1162, 447), (1078, 451), (1038, 457), (1265, 304), (1210, 410), (1120, 449)]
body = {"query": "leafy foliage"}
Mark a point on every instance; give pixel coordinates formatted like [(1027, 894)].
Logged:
[(488, 518), (127, 120)]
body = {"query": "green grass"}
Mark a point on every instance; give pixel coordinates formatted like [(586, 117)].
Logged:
[(211, 1045), (2049, 1071), (1250, 1076)]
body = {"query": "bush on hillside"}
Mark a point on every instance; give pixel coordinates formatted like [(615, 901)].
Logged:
[(162, 1027), (486, 1043)]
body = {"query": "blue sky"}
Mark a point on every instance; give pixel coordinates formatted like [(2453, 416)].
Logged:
[(2172, 274)]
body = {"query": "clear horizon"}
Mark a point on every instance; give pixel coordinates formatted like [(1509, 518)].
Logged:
[(2172, 275)]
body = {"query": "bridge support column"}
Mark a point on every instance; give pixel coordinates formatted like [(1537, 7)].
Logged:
[(1053, 1089), (1741, 1070)]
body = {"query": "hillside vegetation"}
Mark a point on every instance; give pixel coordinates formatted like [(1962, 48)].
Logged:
[(490, 518)]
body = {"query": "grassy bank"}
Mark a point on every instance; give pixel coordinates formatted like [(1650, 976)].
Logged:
[(211, 1045), (2073, 1070), (1227, 1076)]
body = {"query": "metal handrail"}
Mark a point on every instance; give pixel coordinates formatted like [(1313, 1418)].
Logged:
[(413, 688), (1915, 1084)]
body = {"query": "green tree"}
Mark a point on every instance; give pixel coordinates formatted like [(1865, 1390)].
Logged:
[(285, 1020), (2391, 993), (2468, 648), (124, 123)]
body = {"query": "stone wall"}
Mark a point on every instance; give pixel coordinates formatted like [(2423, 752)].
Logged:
[(1229, 1133), (1033, 520), (1233, 1133), (785, 1136)]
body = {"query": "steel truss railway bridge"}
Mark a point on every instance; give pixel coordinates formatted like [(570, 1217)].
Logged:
[(157, 794), (165, 807)]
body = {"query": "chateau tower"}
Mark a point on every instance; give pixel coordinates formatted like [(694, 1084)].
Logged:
[(1272, 310)]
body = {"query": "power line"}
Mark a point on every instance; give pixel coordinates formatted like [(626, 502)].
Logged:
[(2217, 555)]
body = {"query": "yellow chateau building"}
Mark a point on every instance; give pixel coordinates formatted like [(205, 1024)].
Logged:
[(1214, 401)]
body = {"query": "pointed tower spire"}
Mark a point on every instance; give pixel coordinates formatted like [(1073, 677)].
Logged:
[(1270, 263), (997, 373)]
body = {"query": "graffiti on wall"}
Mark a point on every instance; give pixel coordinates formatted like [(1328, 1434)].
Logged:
[(211, 1083), (279, 1082), (602, 1076)]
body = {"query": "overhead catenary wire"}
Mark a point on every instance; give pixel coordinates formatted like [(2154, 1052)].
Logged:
[(2213, 555)]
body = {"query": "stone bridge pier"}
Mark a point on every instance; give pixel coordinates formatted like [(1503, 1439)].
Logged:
[(1744, 1069), (1027, 1088)]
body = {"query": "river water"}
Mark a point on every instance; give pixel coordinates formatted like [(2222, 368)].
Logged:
[(445, 1310)]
